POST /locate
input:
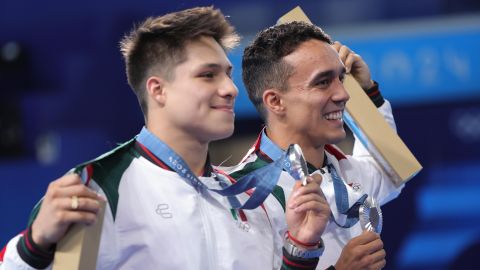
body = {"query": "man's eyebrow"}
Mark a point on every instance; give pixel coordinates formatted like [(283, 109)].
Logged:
[(217, 66), (326, 74), (321, 76)]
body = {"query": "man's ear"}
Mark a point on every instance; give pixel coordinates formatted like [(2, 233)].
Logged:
[(272, 101), (156, 89)]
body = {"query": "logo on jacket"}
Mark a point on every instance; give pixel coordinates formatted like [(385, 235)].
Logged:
[(355, 186), (163, 210)]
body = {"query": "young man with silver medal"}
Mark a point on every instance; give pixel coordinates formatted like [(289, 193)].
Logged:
[(293, 73)]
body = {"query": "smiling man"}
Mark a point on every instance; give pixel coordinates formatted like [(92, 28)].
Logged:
[(293, 74), (164, 210)]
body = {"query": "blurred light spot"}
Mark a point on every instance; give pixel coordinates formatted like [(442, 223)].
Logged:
[(450, 202), (47, 148), (429, 65), (10, 51), (465, 124), (458, 64), (396, 65), (434, 248)]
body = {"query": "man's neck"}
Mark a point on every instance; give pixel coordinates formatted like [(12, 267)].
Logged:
[(283, 137), (190, 149)]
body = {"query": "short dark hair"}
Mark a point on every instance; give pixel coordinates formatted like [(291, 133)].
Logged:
[(262, 64), (158, 43)]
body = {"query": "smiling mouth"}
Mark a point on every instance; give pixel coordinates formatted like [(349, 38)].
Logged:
[(223, 108), (334, 115)]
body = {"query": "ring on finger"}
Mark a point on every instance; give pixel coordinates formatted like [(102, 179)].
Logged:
[(74, 202)]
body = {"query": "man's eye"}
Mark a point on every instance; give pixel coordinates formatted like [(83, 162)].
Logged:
[(323, 83), (342, 78), (208, 75)]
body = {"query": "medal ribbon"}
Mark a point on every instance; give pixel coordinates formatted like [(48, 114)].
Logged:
[(263, 180), (341, 195)]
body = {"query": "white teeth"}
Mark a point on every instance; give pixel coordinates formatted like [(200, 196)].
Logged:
[(334, 115)]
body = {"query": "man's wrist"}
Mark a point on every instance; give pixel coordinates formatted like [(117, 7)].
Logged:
[(302, 250), (296, 263), (32, 254), (374, 94), (370, 84), (37, 239), (302, 244)]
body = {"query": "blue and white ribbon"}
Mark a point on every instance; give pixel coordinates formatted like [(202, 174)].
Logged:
[(341, 195), (263, 180)]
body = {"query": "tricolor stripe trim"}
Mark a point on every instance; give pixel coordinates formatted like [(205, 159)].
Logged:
[(89, 169), (143, 150), (32, 254), (4, 249), (335, 152), (2, 253), (290, 262), (297, 265)]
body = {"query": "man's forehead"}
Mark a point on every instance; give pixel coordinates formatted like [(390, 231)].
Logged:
[(204, 43), (312, 50), (314, 56), (206, 52)]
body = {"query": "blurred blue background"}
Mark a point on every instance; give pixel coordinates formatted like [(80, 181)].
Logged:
[(64, 99)]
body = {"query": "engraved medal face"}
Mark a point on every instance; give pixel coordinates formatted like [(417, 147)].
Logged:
[(370, 215), (298, 164)]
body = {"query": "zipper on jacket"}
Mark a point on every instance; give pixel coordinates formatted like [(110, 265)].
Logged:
[(209, 235)]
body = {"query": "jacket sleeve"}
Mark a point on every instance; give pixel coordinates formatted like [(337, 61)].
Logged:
[(11, 259), (21, 253), (19, 250)]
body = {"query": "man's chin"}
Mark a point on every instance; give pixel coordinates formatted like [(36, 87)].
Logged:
[(222, 134), (337, 139)]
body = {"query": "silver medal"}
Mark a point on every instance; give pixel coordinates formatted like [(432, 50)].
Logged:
[(370, 216), (298, 164)]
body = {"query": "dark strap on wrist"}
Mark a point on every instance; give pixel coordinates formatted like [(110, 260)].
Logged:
[(290, 262), (32, 254), (374, 94)]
